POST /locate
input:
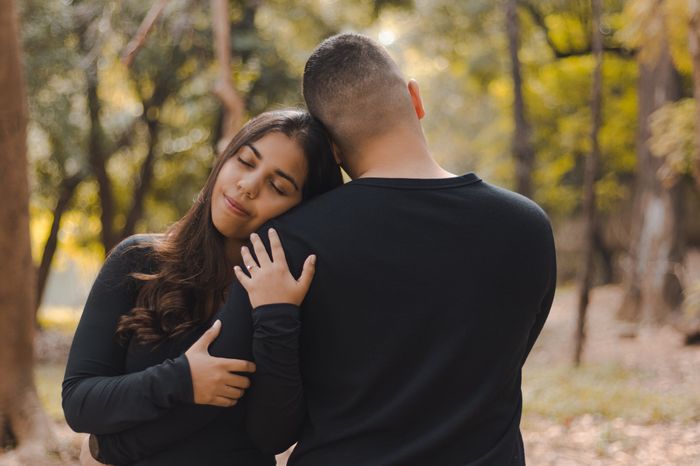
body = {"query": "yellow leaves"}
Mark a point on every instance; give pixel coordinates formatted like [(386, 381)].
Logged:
[(673, 138), (653, 24), (567, 32)]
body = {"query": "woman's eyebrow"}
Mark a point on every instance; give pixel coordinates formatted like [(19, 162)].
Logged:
[(255, 150), (287, 177), (278, 172)]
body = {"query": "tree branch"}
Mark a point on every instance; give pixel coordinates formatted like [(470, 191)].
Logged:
[(539, 19), (67, 189), (144, 29), (223, 88)]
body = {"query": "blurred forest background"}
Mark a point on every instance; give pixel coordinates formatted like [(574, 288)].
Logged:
[(589, 107)]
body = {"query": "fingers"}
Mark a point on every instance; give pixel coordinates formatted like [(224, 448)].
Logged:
[(248, 260), (276, 247), (237, 381), (242, 277), (260, 251), (307, 273), (209, 336), (236, 365), (223, 401)]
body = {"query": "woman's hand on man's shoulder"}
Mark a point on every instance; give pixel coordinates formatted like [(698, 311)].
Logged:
[(269, 280)]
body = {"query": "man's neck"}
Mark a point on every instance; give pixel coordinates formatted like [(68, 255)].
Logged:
[(401, 154)]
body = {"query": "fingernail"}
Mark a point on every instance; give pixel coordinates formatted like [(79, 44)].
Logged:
[(272, 230), (313, 259)]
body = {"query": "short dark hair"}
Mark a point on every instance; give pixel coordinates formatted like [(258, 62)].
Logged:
[(355, 88)]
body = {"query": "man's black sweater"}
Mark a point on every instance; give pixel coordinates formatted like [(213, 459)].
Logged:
[(427, 298)]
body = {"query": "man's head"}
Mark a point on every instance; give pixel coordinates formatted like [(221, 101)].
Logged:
[(355, 88)]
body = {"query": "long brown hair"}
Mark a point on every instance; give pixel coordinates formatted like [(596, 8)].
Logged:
[(192, 275)]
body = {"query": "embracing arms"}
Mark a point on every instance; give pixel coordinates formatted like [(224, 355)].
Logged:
[(97, 396)]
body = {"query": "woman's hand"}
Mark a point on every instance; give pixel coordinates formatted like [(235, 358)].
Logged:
[(86, 458), (270, 281), (212, 380)]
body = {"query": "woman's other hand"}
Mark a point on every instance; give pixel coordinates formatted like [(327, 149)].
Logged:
[(213, 382), (270, 281), (86, 458)]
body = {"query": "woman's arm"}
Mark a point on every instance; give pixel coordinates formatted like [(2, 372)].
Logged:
[(183, 420), (97, 396), (274, 403), (276, 407)]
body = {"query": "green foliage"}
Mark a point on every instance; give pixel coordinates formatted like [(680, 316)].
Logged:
[(456, 50)]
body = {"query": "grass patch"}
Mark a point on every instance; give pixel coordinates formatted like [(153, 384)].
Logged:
[(62, 318), (563, 393)]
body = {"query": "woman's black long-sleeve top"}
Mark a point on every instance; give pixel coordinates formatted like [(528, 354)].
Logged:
[(125, 393)]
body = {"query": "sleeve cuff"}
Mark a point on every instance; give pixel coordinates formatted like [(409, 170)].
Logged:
[(274, 312), (184, 375)]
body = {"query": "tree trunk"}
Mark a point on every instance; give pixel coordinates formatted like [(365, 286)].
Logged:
[(98, 162), (66, 191), (143, 184), (589, 207), (694, 46), (523, 152), (22, 419), (652, 285)]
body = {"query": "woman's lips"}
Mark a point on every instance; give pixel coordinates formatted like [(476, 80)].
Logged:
[(235, 207)]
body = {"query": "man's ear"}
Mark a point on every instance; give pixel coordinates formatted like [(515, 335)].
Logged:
[(414, 92), (336, 153)]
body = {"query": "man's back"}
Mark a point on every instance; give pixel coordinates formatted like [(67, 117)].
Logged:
[(427, 298)]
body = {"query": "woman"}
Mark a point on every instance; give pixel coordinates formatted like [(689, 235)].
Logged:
[(155, 296)]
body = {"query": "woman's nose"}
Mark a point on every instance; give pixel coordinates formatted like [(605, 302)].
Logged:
[(248, 187)]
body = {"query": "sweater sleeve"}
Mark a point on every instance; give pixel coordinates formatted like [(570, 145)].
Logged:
[(98, 397), (550, 257), (275, 405)]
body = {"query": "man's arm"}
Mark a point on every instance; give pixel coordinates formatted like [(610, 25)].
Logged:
[(550, 258)]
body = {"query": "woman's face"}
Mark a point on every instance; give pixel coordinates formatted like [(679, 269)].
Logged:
[(261, 181)]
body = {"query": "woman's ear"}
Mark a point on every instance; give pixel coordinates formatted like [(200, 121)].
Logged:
[(414, 92)]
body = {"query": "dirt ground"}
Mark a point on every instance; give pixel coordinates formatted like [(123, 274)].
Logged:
[(655, 363), (665, 367)]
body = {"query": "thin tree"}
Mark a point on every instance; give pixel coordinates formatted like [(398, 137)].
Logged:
[(694, 46), (652, 287), (22, 419), (589, 198), (522, 148)]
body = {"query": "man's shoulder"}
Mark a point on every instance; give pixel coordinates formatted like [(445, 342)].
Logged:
[(312, 211), (514, 203)]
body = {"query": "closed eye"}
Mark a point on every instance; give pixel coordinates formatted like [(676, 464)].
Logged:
[(246, 163), (279, 191)]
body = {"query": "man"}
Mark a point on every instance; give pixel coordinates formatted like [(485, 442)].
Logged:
[(430, 290)]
